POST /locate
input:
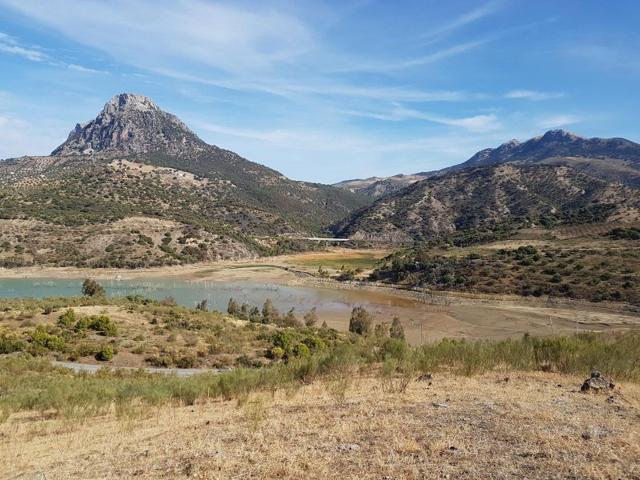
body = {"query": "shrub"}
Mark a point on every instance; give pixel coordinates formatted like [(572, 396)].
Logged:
[(301, 350), (91, 288), (10, 345), (104, 354), (311, 318), (67, 319), (360, 321), (99, 323), (396, 330)]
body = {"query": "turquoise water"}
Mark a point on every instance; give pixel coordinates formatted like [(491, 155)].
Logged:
[(189, 293)]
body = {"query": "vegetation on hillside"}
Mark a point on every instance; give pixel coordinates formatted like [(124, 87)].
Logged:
[(595, 274)]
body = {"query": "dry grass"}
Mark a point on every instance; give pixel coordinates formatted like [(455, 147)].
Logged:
[(533, 425)]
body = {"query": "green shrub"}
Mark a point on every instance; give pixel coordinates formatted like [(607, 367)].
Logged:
[(67, 319), (301, 350), (10, 345), (104, 354)]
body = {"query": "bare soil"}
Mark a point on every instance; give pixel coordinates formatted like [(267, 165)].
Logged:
[(496, 426)]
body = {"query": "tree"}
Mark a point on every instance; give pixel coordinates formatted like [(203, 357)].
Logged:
[(270, 314), (361, 321), (91, 288), (202, 306), (290, 319), (233, 308), (254, 315), (311, 318), (397, 330)]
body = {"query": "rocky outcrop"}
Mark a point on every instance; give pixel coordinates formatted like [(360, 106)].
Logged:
[(131, 123)]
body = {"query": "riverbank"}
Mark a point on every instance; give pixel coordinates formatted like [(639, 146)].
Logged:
[(291, 281)]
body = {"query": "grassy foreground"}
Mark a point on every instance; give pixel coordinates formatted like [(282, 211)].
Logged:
[(32, 384)]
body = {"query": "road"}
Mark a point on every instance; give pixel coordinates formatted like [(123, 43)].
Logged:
[(179, 372)]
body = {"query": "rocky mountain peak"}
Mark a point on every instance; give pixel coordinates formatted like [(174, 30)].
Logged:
[(129, 101), (131, 123), (560, 135)]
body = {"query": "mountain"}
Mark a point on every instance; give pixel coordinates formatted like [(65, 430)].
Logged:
[(488, 196), (376, 187), (615, 159), (194, 201)]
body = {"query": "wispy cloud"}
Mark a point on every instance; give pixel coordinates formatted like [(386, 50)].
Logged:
[(475, 123), (419, 61), (463, 20), (533, 95), (556, 121), (10, 45), (80, 68)]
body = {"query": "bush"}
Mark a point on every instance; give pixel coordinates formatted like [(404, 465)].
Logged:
[(301, 350), (99, 323), (67, 319), (91, 288), (396, 330), (360, 321), (10, 345), (104, 354)]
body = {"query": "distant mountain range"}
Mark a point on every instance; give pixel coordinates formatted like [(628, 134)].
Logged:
[(136, 161), (614, 159)]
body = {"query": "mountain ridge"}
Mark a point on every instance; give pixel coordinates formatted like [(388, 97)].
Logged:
[(616, 159)]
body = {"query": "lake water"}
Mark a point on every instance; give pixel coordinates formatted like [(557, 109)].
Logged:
[(331, 301)]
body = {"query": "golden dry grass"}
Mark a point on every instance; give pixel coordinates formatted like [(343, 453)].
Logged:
[(533, 425)]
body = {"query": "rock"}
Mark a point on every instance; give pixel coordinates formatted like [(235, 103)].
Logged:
[(596, 383), (349, 447), (594, 432), (439, 405), (427, 377)]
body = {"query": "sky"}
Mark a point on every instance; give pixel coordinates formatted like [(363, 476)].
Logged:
[(326, 91)]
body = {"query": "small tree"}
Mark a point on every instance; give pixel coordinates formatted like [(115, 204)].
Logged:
[(290, 319), (361, 321), (233, 308), (254, 315), (91, 288), (397, 330), (311, 318), (202, 306), (270, 314)]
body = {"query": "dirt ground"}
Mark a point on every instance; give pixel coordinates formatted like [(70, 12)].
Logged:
[(497, 426)]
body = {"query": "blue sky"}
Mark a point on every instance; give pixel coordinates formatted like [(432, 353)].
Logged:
[(326, 91)]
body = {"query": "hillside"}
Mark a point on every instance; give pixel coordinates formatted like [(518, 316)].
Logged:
[(613, 159), (136, 161), (375, 187), (488, 196)]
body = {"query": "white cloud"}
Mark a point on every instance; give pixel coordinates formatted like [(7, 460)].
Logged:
[(556, 121), (148, 33), (80, 68), (9, 45), (476, 123), (463, 20), (533, 95)]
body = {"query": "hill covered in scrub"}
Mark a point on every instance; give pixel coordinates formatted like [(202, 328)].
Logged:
[(484, 197), (136, 161)]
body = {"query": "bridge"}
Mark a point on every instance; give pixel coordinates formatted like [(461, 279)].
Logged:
[(323, 239)]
